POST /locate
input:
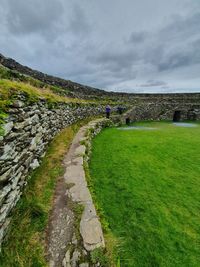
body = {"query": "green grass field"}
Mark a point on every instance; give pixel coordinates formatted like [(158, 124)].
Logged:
[(148, 185)]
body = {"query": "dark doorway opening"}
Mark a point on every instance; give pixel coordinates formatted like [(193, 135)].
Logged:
[(177, 116), (128, 121)]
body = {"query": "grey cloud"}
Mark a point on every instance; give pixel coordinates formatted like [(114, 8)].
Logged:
[(117, 64), (175, 61), (119, 58), (159, 49), (181, 27), (169, 48), (25, 17), (152, 83), (91, 42), (138, 37), (188, 56), (174, 46), (79, 23)]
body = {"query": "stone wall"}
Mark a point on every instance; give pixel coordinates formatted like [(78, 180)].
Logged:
[(164, 111), (29, 128), (27, 131)]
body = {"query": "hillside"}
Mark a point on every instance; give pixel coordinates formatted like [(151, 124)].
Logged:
[(72, 88), (76, 90)]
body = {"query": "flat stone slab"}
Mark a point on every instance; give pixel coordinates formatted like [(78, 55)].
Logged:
[(90, 232), (90, 226), (80, 150)]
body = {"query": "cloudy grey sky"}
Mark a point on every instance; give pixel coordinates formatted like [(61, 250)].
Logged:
[(119, 45)]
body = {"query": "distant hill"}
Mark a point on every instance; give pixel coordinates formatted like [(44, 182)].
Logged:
[(77, 90)]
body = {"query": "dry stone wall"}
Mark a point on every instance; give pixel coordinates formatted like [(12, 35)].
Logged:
[(27, 131), (163, 111), (30, 127)]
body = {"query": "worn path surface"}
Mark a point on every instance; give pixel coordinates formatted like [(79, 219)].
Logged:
[(60, 228), (72, 188)]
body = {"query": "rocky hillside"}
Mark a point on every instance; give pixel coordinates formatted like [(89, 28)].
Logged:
[(77, 90)]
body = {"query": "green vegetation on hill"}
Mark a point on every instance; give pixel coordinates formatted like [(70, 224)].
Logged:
[(10, 89), (12, 75), (65, 93), (147, 183), (13, 84)]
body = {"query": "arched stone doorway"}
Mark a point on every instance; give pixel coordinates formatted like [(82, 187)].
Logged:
[(128, 121), (177, 116)]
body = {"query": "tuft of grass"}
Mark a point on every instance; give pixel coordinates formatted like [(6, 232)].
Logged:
[(24, 243), (151, 179), (98, 256)]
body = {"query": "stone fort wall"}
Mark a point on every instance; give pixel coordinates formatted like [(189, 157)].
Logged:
[(29, 128), (164, 111), (27, 132)]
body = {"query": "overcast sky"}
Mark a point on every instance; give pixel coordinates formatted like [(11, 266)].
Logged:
[(119, 45)]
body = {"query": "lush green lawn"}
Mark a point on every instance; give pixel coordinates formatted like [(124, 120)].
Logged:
[(148, 185)]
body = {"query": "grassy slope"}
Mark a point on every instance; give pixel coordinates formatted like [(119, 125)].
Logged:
[(13, 82), (10, 89), (148, 185), (13, 75), (24, 245)]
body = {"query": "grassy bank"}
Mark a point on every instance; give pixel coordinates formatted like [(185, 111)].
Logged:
[(24, 245), (12, 83), (10, 89), (148, 186), (12, 75)]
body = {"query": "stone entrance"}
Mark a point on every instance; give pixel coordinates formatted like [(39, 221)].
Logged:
[(177, 116)]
